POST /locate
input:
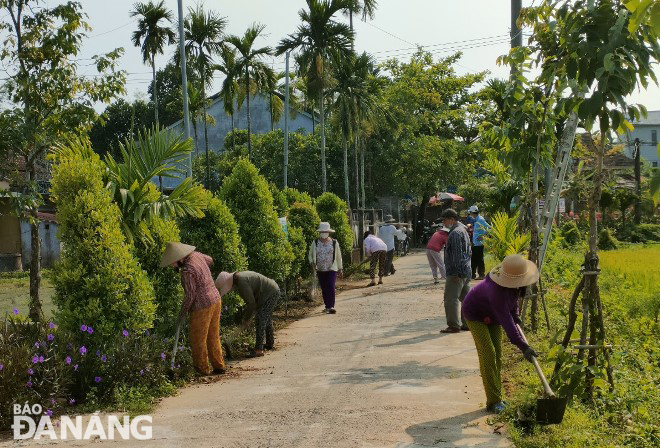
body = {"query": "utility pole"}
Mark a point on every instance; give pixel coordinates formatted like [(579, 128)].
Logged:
[(516, 34), (286, 121), (184, 83), (638, 183)]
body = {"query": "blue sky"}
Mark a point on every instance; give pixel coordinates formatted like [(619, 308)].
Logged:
[(477, 27)]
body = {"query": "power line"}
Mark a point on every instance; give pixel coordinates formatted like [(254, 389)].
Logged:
[(387, 32), (112, 30)]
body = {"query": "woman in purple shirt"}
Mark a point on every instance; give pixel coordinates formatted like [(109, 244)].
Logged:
[(491, 306)]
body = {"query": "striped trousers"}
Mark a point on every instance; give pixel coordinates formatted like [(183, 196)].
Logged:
[(488, 340)]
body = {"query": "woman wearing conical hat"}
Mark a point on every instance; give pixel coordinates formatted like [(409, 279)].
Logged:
[(202, 302)]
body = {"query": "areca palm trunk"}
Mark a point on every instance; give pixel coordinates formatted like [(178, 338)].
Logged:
[(357, 176), (153, 70), (324, 182), (346, 188), (364, 201), (206, 135), (249, 125)]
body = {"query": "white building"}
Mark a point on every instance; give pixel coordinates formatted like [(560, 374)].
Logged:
[(647, 131)]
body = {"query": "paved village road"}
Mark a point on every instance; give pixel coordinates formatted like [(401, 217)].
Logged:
[(377, 374)]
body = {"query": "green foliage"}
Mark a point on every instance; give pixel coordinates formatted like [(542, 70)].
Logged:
[(504, 238), (280, 201), (216, 234), (98, 281), (168, 292), (303, 216), (642, 233), (293, 196), (333, 210), (249, 199), (300, 265), (570, 233), (606, 240)]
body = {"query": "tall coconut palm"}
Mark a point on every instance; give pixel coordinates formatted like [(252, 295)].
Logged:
[(198, 103), (365, 7), (204, 33), (151, 36), (256, 75), (319, 41), (230, 68)]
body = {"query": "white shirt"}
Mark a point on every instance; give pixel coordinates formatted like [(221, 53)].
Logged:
[(387, 234), (373, 244)]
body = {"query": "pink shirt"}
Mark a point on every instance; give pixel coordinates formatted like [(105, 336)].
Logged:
[(438, 241), (200, 291)]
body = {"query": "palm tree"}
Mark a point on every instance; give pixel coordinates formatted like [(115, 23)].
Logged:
[(366, 7), (197, 104), (229, 67), (151, 37), (320, 40), (256, 75), (204, 34)]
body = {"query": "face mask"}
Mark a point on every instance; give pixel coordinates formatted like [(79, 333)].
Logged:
[(324, 234)]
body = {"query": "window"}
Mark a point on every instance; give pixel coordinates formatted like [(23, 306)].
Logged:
[(654, 137), (654, 164)]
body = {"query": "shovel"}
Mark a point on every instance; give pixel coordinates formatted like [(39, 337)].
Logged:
[(549, 410), (176, 341)]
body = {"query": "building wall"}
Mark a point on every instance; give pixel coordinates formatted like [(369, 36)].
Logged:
[(10, 239), (648, 147), (50, 243)]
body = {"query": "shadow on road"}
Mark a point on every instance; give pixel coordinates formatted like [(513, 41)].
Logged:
[(407, 374), (460, 430)]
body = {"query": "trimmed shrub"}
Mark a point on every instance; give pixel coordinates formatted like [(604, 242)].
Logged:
[(299, 247), (293, 196), (216, 234), (570, 233), (642, 233), (303, 216), (279, 200), (333, 210), (98, 281), (250, 201), (149, 246), (606, 240)]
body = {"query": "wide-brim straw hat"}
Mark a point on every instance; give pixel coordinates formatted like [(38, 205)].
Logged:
[(224, 282), (325, 227), (389, 218), (175, 252), (515, 271)]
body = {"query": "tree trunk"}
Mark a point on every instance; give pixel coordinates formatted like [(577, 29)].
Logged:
[(153, 69), (364, 196), (324, 180), (595, 197), (421, 214), (206, 136), (272, 124), (194, 123), (249, 125), (233, 135), (35, 313), (346, 186), (357, 176)]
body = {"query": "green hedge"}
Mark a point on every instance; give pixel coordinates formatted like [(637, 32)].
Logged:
[(642, 233), (98, 282), (333, 210), (216, 234), (248, 197)]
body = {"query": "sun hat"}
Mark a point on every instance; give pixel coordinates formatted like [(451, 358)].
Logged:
[(473, 209), (449, 213), (389, 218), (224, 282), (515, 271), (325, 227), (175, 252)]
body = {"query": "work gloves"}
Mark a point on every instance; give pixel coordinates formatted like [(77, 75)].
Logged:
[(529, 353)]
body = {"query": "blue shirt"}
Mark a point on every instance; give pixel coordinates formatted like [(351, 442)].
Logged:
[(480, 228)]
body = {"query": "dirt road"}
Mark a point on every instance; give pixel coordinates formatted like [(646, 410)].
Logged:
[(378, 373)]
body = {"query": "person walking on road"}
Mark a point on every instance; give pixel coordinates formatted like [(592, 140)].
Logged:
[(325, 257), (480, 228), (458, 253), (202, 301), (376, 249), (387, 233), (436, 254), (260, 295), (490, 306)]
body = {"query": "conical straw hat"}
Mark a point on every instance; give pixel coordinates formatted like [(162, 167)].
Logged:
[(175, 252)]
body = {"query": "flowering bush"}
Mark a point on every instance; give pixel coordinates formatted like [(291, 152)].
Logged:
[(56, 368)]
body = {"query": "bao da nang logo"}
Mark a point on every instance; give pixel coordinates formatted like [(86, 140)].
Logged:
[(29, 423)]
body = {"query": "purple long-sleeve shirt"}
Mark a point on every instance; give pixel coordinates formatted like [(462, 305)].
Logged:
[(491, 303)]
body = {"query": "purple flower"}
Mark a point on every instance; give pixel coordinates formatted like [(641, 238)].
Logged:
[(16, 311), (30, 372), (49, 413), (51, 325), (83, 328), (41, 359), (75, 368), (104, 358), (28, 384), (67, 360), (72, 401), (90, 330), (35, 359), (97, 379), (141, 372), (51, 336), (2, 366), (36, 344), (163, 356), (98, 352), (125, 333), (83, 350), (52, 401)]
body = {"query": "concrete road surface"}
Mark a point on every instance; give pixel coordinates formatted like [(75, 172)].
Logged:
[(377, 374)]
